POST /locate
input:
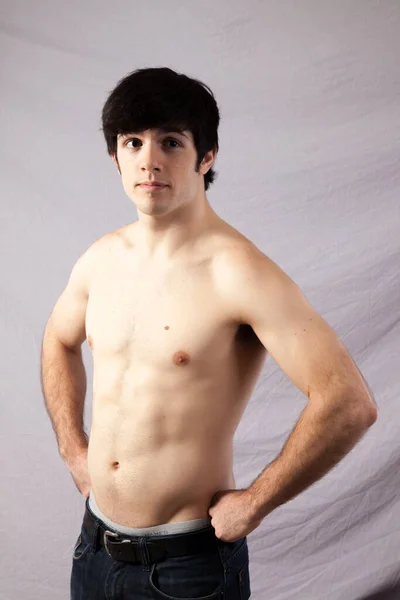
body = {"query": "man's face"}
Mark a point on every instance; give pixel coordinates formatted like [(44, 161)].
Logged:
[(169, 158)]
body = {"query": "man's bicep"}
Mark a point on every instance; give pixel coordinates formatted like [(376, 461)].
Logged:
[(300, 341), (67, 320)]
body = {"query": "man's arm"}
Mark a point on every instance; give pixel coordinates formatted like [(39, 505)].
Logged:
[(63, 375), (340, 408)]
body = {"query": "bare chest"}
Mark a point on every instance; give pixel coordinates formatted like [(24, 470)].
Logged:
[(166, 319)]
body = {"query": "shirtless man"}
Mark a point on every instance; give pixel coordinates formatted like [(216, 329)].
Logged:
[(179, 310)]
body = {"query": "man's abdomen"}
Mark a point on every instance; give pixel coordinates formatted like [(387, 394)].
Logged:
[(141, 477)]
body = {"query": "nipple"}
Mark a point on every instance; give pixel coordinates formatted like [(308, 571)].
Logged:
[(181, 358), (90, 342)]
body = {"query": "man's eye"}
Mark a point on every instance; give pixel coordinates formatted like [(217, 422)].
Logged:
[(137, 140), (174, 141), (129, 141)]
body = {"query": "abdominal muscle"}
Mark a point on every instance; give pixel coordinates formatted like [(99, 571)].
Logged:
[(158, 457)]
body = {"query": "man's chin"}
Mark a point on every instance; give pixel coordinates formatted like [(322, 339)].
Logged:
[(153, 210)]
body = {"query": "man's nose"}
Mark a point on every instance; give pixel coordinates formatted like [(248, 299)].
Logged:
[(150, 158)]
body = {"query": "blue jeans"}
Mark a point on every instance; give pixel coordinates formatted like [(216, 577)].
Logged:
[(220, 571)]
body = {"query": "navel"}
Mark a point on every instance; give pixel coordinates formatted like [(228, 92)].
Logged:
[(181, 358)]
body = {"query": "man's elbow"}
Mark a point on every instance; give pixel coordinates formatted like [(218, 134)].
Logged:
[(372, 415), (367, 413), (358, 413)]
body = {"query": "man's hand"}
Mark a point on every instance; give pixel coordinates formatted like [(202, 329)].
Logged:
[(231, 515), (78, 467)]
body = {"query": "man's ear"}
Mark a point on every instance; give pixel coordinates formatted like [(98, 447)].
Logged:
[(208, 161)]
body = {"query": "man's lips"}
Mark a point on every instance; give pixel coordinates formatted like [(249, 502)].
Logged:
[(152, 183), (152, 186)]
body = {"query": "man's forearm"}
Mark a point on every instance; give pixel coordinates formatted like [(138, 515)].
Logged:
[(63, 379), (320, 439)]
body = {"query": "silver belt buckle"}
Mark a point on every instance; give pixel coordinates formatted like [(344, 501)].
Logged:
[(107, 533)]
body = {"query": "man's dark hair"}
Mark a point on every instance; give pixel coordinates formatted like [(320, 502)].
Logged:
[(160, 98)]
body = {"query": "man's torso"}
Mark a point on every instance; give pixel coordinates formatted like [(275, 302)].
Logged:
[(173, 373)]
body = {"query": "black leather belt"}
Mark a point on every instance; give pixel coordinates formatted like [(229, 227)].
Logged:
[(126, 549)]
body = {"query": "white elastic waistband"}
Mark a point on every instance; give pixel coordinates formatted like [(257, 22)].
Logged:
[(166, 529)]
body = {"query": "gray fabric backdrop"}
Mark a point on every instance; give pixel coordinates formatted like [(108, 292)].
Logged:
[(308, 170)]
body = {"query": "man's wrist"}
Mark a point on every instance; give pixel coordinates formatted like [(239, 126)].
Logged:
[(259, 505), (74, 454), (258, 509)]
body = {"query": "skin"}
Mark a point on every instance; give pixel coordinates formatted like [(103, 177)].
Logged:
[(154, 353), (180, 311)]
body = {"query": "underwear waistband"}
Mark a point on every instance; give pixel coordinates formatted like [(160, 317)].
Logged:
[(165, 529)]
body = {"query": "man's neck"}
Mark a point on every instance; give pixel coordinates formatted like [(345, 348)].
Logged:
[(165, 239)]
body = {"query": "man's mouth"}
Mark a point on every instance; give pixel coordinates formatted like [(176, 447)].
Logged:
[(152, 186)]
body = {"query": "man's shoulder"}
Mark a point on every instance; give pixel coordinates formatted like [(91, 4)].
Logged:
[(99, 245), (240, 268), (113, 239), (94, 254), (238, 256)]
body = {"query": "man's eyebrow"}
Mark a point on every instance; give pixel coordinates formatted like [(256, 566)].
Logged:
[(164, 132), (124, 135), (181, 133)]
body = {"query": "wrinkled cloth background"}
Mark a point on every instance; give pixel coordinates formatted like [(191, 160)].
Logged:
[(308, 169)]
